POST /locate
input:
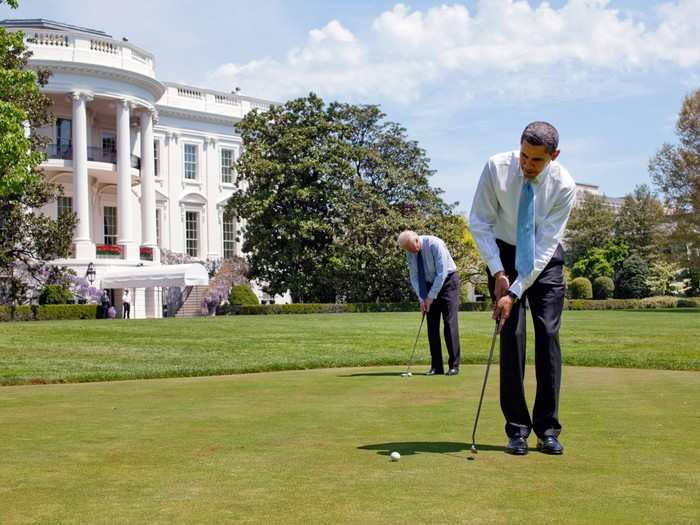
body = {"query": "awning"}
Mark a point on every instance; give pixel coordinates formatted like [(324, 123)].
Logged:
[(162, 275)]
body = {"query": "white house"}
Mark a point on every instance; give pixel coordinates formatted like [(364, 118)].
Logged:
[(145, 164)]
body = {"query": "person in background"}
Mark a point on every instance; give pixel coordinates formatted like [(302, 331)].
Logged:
[(434, 277), (126, 304)]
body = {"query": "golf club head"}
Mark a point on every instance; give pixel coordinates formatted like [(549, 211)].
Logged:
[(406, 374), (473, 449)]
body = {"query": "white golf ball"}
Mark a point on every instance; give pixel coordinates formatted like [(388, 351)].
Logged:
[(395, 456)]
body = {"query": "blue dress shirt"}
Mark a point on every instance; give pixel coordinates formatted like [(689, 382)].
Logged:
[(438, 264)]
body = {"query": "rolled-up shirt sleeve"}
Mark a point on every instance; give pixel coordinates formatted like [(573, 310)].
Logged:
[(547, 237), (482, 220)]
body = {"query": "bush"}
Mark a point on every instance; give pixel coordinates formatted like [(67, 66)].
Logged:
[(581, 288), (55, 294), (242, 295), (632, 304), (632, 278), (603, 288), (332, 308), (49, 312)]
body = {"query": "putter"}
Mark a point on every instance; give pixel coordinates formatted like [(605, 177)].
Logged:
[(408, 373), (483, 388)]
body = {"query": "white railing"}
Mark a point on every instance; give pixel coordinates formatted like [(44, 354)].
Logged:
[(259, 105), (223, 99), (68, 46), (189, 93), (48, 39), (103, 45)]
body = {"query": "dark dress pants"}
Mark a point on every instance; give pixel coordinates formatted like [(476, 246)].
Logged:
[(546, 301), (446, 304)]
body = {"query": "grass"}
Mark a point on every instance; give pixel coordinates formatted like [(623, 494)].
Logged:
[(81, 351), (307, 447)]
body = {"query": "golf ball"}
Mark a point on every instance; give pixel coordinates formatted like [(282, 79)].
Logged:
[(395, 456)]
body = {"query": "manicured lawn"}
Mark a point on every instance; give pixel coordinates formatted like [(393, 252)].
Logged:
[(306, 447), (75, 351)]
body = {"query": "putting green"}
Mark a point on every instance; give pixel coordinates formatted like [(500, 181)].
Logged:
[(312, 447)]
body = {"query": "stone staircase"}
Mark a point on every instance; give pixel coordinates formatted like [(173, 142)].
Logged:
[(231, 272), (192, 306)]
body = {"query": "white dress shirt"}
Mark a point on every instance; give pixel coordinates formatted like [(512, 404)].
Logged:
[(494, 213)]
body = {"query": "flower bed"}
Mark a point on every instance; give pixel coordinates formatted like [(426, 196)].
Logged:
[(108, 251)]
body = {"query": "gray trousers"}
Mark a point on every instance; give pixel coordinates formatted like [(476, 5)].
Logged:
[(446, 304)]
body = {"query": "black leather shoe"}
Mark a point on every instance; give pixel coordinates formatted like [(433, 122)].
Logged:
[(453, 372), (517, 446), (549, 445), (434, 372)]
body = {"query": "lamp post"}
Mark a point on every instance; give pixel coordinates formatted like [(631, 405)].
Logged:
[(90, 274)]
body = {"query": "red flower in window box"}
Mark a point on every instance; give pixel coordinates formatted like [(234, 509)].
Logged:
[(111, 250), (146, 253)]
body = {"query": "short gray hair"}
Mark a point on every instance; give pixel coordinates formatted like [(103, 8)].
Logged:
[(406, 237), (541, 134)]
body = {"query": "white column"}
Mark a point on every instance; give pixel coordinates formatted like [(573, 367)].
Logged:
[(124, 208), (148, 185), (84, 247), (212, 176)]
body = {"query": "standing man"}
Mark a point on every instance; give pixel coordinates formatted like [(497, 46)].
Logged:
[(518, 218), (434, 277), (126, 302)]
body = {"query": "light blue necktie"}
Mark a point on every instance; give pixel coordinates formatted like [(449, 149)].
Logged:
[(525, 247)]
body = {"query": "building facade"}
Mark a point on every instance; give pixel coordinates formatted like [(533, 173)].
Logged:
[(146, 165)]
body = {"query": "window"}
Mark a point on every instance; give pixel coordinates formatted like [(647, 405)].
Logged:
[(64, 136), (64, 205), (110, 224), (156, 157), (158, 227), (192, 233), (229, 236), (227, 166), (190, 161), (109, 148)]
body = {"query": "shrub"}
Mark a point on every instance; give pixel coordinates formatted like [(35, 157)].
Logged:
[(49, 312), (333, 308), (581, 288), (55, 294), (632, 278), (603, 288), (242, 295)]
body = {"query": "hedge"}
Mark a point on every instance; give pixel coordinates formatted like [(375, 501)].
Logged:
[(50, 312), (569, 304), (332, 308), (632, 304)]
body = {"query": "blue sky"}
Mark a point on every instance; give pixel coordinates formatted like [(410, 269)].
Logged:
[(464, 78)]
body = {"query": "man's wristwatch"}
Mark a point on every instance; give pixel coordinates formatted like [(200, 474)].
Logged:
[(512, 296)]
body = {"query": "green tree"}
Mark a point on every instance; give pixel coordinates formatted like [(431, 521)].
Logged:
[(27, 239), (662, 275), (675, 170), (325, 191), (601, 262), (639, 222), (591, 225), (631, 280)]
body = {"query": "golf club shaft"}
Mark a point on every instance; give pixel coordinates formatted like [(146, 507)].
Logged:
[(483, 387), (410, 361)]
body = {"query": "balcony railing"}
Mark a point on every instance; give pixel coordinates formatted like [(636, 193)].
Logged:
[(95, 154)]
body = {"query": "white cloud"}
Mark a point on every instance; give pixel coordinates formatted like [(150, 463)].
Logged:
[(507, 48)]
